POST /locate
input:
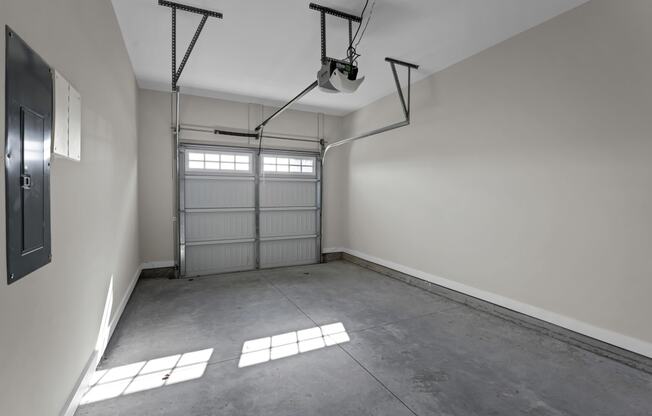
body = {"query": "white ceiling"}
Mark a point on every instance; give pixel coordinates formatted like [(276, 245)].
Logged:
[(266, 51)]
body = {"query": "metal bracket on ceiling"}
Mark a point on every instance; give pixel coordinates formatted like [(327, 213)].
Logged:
[(393, 62), (342, 15), (405, 104), (176, 72), (323, 11)]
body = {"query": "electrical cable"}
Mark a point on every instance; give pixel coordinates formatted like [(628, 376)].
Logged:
[(371, 12), (350, 51), (361, 15)]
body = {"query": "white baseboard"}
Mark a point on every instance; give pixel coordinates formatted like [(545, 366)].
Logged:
[(123, 302), (84, 379), (157, 264), (623, 341), (333, 250), (614, 338), (82, 384)]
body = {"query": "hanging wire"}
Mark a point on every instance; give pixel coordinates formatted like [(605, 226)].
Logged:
[(350, 51), (371, 12), (360, 24), (352, 55)]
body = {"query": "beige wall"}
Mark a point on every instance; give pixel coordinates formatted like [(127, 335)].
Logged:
[(526, 175), (156, 184), (49, 320), (525, 179)]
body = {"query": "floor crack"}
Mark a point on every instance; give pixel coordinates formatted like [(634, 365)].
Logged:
[(342, 348)]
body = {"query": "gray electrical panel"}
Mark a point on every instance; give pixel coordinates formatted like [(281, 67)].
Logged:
[(28, 118)]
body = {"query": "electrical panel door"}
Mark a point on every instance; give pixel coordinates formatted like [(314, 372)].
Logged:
[(29, 92)]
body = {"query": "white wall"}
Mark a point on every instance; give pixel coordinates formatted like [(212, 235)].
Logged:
[(49, 320), (526, 175), (156, 199)]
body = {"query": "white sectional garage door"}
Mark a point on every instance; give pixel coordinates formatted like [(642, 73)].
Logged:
[(289, 210), (241, 211)]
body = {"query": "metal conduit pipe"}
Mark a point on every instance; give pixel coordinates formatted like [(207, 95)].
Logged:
[(405, 104), (177, 182), (363, 135)]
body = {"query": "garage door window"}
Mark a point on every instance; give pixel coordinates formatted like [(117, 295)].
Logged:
[(288, 165), (211, 162)]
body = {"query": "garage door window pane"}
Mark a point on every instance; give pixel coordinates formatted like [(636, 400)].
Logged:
[(291, 165), (211, 161)]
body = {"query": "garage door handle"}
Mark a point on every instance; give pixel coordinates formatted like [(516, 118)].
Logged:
[(25, 181)]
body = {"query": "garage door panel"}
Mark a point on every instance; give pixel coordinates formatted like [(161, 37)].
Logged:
[(243, 211), (288, 223), (219, 258), (288, 193), (219, 192), (280, 253), (209, 226)]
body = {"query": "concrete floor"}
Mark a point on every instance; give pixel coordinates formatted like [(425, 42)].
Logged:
[(410, 352)]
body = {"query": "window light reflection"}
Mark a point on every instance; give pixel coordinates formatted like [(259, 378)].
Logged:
[(146, 375), (261, 350)]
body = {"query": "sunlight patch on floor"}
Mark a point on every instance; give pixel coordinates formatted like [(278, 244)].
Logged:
[(146, 375), (257, 351)]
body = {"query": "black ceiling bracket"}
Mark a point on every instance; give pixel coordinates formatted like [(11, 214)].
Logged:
[(342, 15), (176, 72), (323, 11), (190, 9), (393, 62), (336, 13), (323, 37), (348, 50)]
